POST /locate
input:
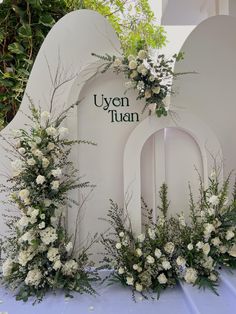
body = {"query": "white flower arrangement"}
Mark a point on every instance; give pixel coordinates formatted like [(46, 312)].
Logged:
[(169, 250), (39, 255), (151, 77)]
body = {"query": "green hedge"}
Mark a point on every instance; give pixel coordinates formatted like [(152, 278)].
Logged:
[(24, 25)]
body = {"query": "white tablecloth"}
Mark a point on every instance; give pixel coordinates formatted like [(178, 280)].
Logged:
[(183, 299)]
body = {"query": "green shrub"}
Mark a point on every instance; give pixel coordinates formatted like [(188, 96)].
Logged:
[(24, 25)]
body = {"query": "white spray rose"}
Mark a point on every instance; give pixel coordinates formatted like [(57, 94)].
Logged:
[(45, 163), (166, 265), (50, 146), (57, 173), (138, 287), (21, 150), (31, 162), (55, 185), (139, 252), (156, 90), (52, 254), (216, 241), (169, 247), (121, 271), (162, 279), (23, 194), (180, 261), (135, 266), (150, 259), (117, 62), (229, 235), (151, 233), (232, 251), (40, 180), (157, 253), (142, 54), (214, 200), (130, 281), (57, 265), (132, 65), (51, 131), (190, 246), (190, 275), (206, 248), (118, 246)]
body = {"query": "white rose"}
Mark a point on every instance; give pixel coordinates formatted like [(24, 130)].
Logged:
[(139, 269), (139, 252), (214, 200), (142, 54), (150, 259), (138, 287), (169, 247), (131, 57), (50, 146), (223, 249), (55, 185), (45, 162), (130, 281), (63, 132), (208, 263), (229, 235), (42, 225), (118, 246), (23, 194), (141, 237), (42, 216), (166, 265), (190, 246), (156, 90), (31, 162), (200, 245), (27, 201), (57, 265), (52, 254), (21, 150), (69, 246), (190, 275), (209, 228), (162, 279), (232, 251), (37, 153), (38, 140), (144, 72), (180, 261), (151, 233), (34, 213), (121, 271), (206, 248), (135, 267), (132, 65), (216, 241), (117, 62), (45, 115), (57, 173), (40, 179), (213, 277), (51, 131), (151, 78), (121, 234), (157, 253)]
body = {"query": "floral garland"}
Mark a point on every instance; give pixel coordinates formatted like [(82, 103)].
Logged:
[(170, 250), (39, 254), (151, 77)]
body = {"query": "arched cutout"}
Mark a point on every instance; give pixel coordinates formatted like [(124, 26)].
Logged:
[(201, 133)]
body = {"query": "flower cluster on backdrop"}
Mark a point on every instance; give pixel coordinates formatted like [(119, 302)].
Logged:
[(39, 255), (151, 77), (170, 250)]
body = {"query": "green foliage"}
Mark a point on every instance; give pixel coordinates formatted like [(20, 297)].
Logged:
[(24, 25)]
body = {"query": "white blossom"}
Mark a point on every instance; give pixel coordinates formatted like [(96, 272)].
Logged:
[(117, 62), (118, 246), (31, 162), (157, 253), (33, 277), (138, 287), (150, 259), (42, 225), (229, 235), (50, 146), (23, 194), (130, 281), (121, 271), (135, 266), (57, 265), (139, 252), (156, 89), (190, 275), (121, 234), (48, 235), (232, 251), (142, 54), (180, 261), (214, 200), (45, 163), (169, 247), (166, 265), (216, 241), (69, 246), (190, 246), (141, 237), (51, 131), (151, 233), (57, 173), (53, 254), (206, 248), (70, 267), (133, 65), (63, 132), (162, 279), (40, 179), (21, 150), (55, 185)]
